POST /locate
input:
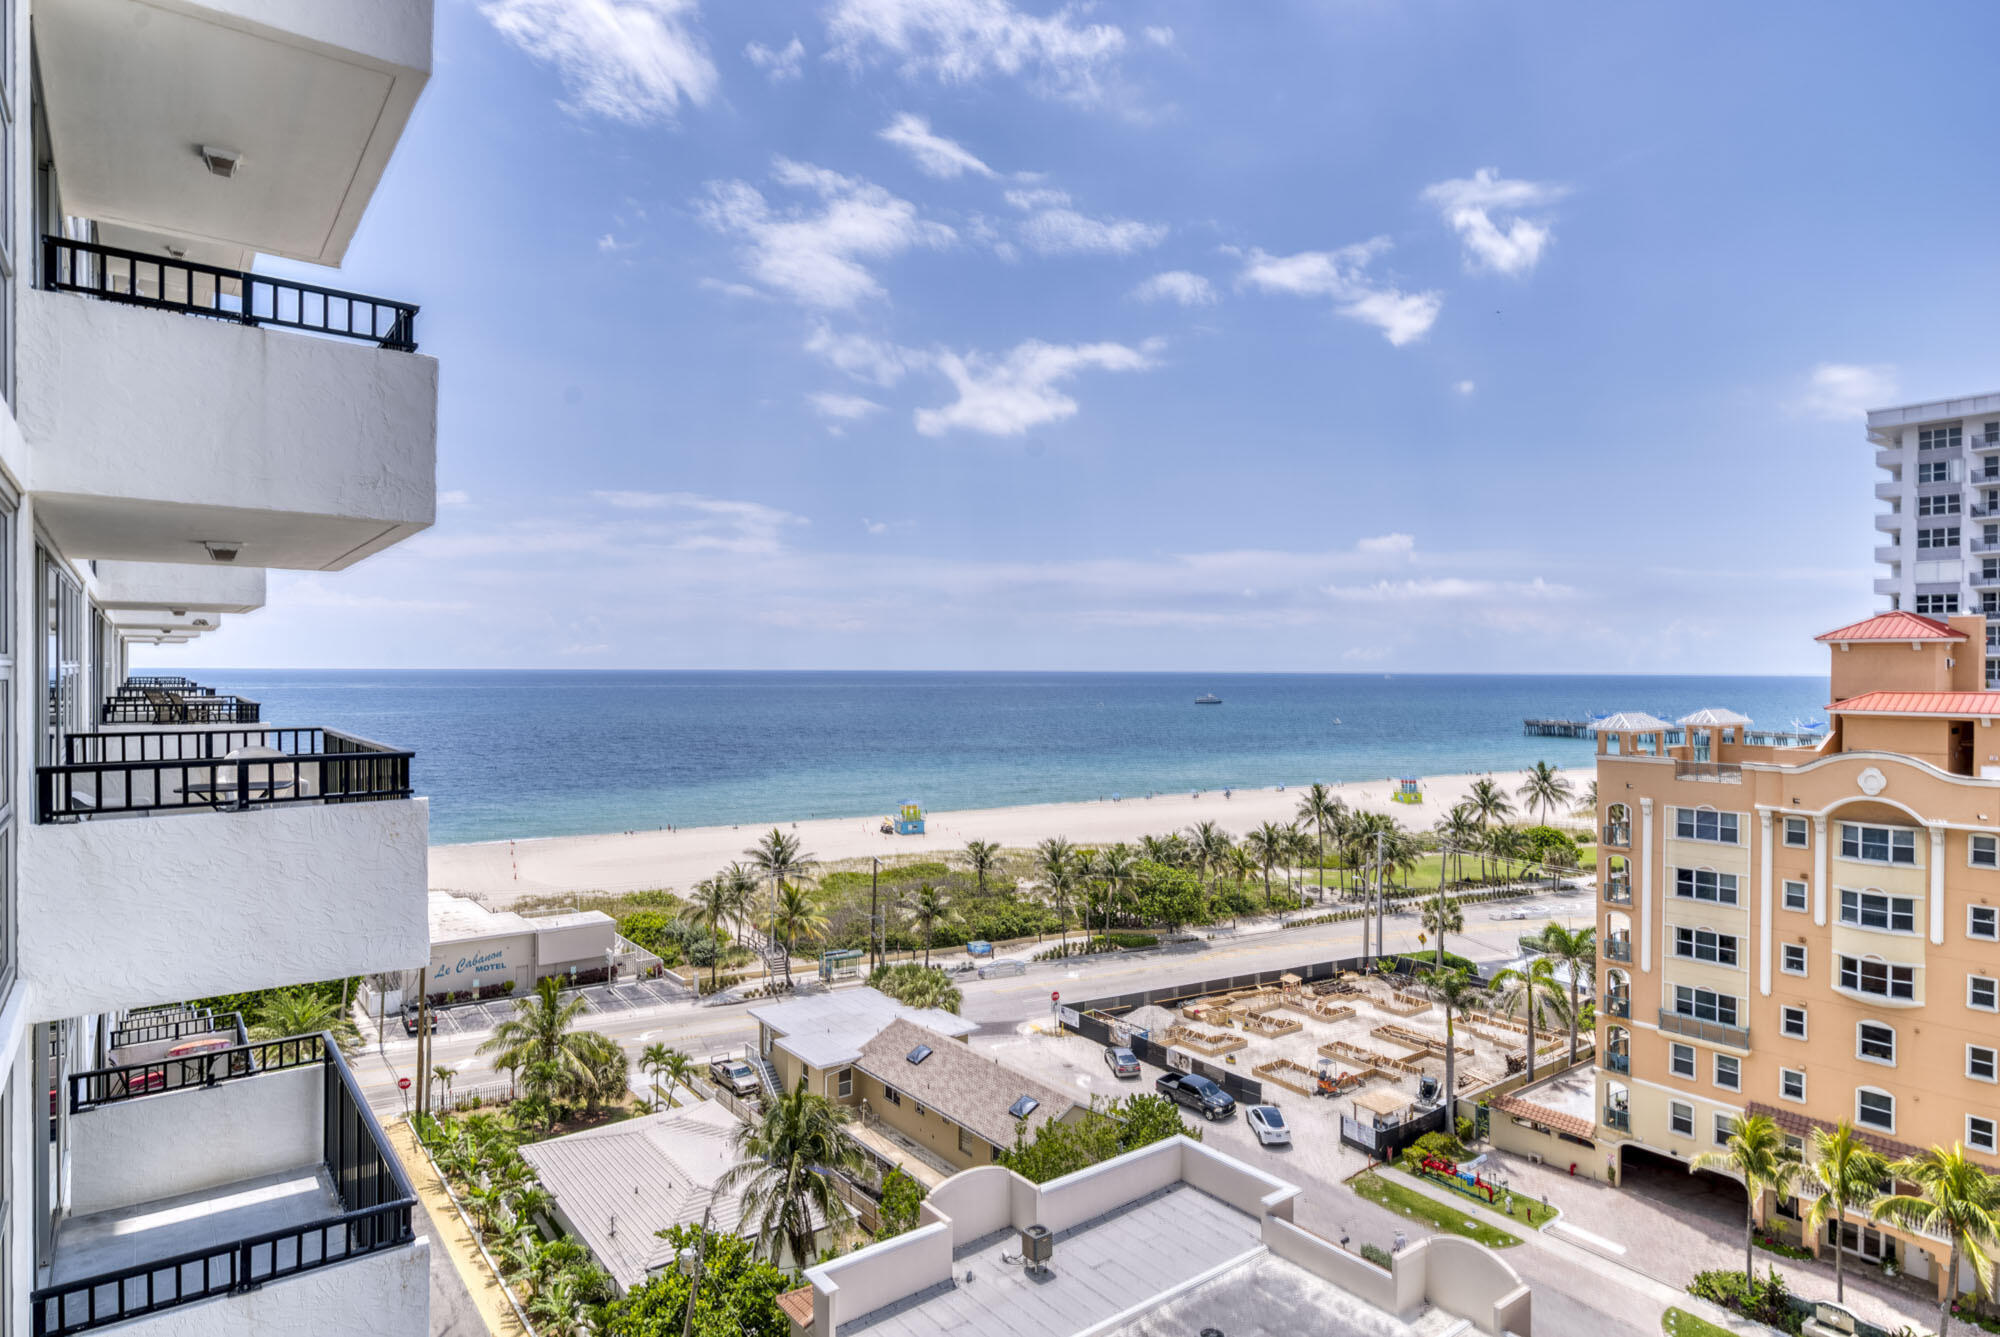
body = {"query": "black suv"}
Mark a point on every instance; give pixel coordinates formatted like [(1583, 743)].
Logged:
[(410, 1019), (1198, 1093)]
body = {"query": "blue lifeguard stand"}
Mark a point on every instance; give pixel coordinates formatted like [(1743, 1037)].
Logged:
[(910, 820)]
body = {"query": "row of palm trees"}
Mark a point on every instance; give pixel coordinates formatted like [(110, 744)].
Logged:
[(1534, 991), (1950, 1197), (555, 1064)]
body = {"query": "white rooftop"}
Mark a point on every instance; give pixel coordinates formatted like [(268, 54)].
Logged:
[(1632, 721), (827, 1030), (1712, 716), (458, 919)]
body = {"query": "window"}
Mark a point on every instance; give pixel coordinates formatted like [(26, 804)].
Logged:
[(1878, 844), (1982, 921), (1945, 537), (844, 1083), (1945, 436), (1983, 851), (1792, 958), (1792, 1022), (1797, 832), (1700, 944), (1872, 909), (1982, 992), (1723, 1124), (1934, 471), (1705, 824), (966, 1142), (889, 1094), (1944, 503), (1795, 896), (1681, 1060), (1705, 884), (1705, 1004), (1937, 605), (1981, 1063), (1979, 1132), (1866, 975), (1680, 1118), (1875, 1109), (1875, 1042), (1791, 1084), (1728, 1073)]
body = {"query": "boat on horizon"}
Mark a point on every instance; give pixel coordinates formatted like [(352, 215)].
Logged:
[(1208, 699)]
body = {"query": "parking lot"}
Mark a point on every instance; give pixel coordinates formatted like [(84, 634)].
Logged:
[(626, 996)]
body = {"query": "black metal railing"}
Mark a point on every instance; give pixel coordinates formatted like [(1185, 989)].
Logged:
[(206, 770), (130, 1081), (186, 708), (1616, 949), (375, 1198), (1618, 1062), (166, 681), (224, 294), (1617, 1117), (1618, 1005), (1618, 890), (142, 1031)]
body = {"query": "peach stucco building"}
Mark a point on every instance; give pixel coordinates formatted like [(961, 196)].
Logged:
[(1810, 931)]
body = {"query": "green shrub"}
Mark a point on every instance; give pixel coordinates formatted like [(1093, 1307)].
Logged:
[(1379, 1256), (1442, 1145), (1767, 1301)]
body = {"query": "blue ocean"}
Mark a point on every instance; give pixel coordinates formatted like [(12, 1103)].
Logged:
[(516, 754)]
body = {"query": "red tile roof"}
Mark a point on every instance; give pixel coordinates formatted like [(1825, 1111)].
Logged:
[(1919, 703), (798, 1307), (1896, 626), (1574, 1125), (1802, 1125)]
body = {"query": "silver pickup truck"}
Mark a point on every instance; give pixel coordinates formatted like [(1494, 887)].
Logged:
[(733, 1075)]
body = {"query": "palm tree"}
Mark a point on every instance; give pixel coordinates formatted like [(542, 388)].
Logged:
[(1456, 831), (1456, 989), (1955, 1200), (1508, 847), (928, 910), (1489, 805), (1115, 865), (678, 1069), (1755, 1153), (1850, 1174), (652, 1062), (1587, 801), (713, 902), (538, 1040), (1575, 951), (982, 857), (1441, 916), (1531, 992), (1267, 846), (556, 1306), (1209, 846), (288, 1012), (1320, 810), (1055, 860), (1544, 789), (779, 856), (739, 884), (441, 1078), (789, 1159), (798, 916), (1300, 849)]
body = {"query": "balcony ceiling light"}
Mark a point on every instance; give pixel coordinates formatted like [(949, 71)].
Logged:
[(221, 161), (222, 550)]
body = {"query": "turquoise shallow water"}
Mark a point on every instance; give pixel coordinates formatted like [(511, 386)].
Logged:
[(564, 753)]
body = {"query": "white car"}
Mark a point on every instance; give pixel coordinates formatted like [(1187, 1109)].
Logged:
[(1004, 966), (1268, 1123)]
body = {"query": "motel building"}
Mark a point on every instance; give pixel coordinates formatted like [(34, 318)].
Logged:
[(1809, 929)]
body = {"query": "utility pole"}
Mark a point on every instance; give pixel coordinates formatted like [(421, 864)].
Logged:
[(1380, 908), (874, 914), (423, 1037)]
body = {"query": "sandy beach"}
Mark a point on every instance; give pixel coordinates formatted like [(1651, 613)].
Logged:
[(501, 870)]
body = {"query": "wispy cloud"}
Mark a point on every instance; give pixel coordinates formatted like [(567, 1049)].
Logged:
[(1067, 232), (864, 358), (633, 61), (945, 159), (960, 41), (1009, 395), (1489, 213), (780, 64), (709, 524), (1160, 36), (1844, 391), (1342, 275), (1176, 285), (814, 254), (842, 408), (1464, 387)]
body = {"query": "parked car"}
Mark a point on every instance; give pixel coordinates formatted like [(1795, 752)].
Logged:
[(1006, 965), (1122, 1062), (410, 1019), (1198, 1093), (1268, 1123), (733, 1075)]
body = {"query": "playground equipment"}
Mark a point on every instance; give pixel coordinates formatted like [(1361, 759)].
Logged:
[(910, 819), (1462, 1181), (1408, 791)]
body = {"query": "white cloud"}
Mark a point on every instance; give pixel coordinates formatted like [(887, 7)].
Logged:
[(1342, 275), (454, 497), (1010, 395), (874, 526), (1487, 211), (814, 255), (1177, 285), (945, 159), (1464, 387), (958, 41), (1843, 391), (1161, 36), (729, 289), (780, 65), (610, 245), (1067, 232), (1439, 588), (633, 61), (842, 408), (1387, 545), (863, 358), (697, 523), (1038, 197)]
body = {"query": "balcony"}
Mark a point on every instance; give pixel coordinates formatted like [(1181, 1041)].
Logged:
[(229, 1178), (1618, 1005), (1888, 488), (1619, 834), (1722, 772), (1618, 1063), (1888, 585), (168, 587), (1714, 1032), (183, 413), (1618, 890), (168, 707), (1615, 949), (1618, 1117), (1891, 523), (218, 860)]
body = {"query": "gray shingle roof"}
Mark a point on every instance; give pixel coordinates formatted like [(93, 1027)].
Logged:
[(971, 1090), (828, 1030)]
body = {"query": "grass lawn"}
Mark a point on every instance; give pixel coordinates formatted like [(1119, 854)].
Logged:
[(1527, 1210), (1680, 1323), (1405, 1201)]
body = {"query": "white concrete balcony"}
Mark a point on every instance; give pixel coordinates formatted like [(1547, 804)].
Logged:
[(1889, 585), (193, 416), (1886, 490), (1890, 524), (1889, 552), (1889, 457), (241, 126), (250, 1180), (204, 861), (168, 587)]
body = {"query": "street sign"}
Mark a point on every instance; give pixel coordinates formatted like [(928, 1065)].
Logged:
[(403, 1083), (1055, 995)]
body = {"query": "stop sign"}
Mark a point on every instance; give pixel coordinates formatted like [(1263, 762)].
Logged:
[(403, 1083), (1055, 995)]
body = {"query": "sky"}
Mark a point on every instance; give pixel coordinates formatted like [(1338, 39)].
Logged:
[(1305, 335)]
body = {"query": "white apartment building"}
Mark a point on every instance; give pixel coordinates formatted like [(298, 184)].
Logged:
[(175, 424), (1940, 537)]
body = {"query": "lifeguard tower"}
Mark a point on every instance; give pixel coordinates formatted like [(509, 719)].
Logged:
[(1408, 791), (910, 819)]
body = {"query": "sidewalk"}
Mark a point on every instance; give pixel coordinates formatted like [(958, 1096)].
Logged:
[(450, 1235)]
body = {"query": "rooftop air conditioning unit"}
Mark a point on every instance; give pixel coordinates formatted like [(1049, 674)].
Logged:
[(1038, 1245)]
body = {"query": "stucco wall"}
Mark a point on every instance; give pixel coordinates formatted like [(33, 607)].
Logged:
[(160, 586), (384, 1294), (1323, 1258), (394, 32), (185, 906), (195, 1138), (1470, 1280), (930, 1129)]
